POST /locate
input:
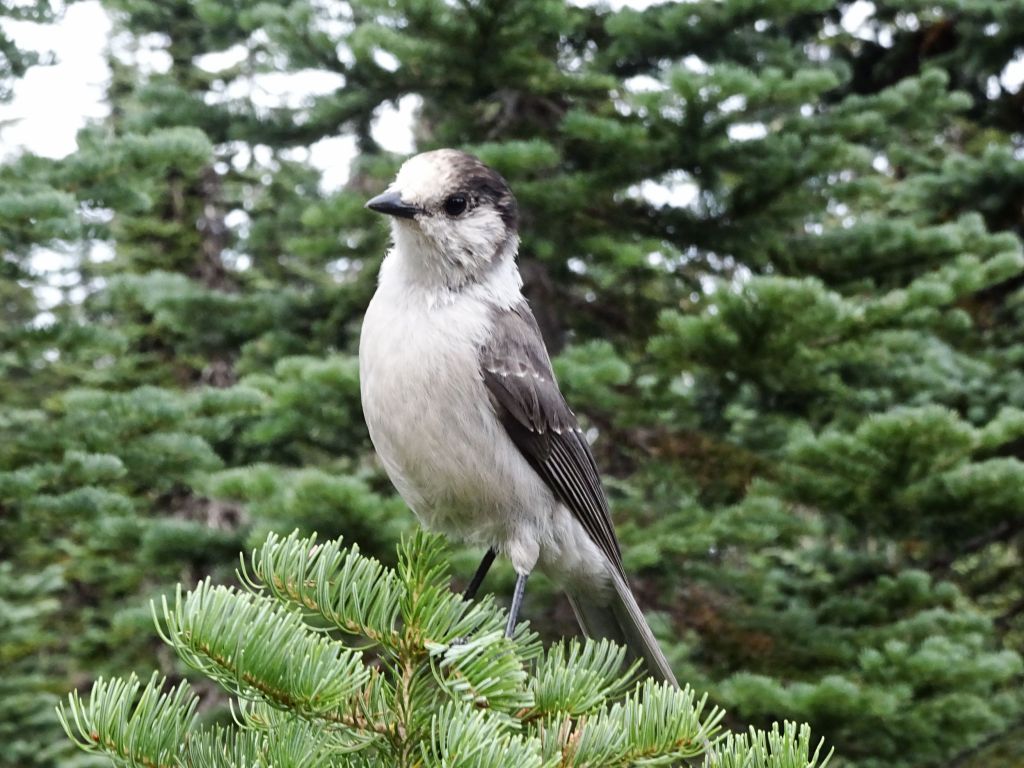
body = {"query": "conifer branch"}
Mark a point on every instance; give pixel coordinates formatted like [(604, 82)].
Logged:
[(257, 648), (573, 679), (484, 671), (350, 591), (447, 687), (786, 748), (144, 729), (466, 737), (654, 725)]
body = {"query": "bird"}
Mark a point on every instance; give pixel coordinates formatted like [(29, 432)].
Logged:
[(463, 407)]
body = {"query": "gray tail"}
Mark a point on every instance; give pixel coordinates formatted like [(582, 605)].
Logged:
[(618, 618)]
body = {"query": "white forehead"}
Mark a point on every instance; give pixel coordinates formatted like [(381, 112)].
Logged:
[(427, 175)]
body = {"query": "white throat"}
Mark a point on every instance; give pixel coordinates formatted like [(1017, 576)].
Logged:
[(415, 266)]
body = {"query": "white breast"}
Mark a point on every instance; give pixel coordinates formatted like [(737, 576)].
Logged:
[(432, 423)]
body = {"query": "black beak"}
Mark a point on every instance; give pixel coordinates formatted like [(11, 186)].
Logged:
[(390, 202)]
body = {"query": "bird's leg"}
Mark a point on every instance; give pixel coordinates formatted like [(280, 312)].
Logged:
[(478, 577), (517, 601)]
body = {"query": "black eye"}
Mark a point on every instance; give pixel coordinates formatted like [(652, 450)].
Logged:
[(455, 204)]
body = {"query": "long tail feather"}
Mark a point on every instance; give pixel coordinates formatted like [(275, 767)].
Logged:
[(621, 620)]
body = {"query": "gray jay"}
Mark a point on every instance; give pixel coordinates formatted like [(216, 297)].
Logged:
[(463, 407)]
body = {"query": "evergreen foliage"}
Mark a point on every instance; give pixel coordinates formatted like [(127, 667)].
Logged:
[(777, 251), (444, 687)]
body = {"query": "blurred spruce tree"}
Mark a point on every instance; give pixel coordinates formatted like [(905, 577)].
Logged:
[(781, 258)]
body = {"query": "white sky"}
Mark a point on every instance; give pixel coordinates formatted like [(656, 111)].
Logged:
[(52, 103)]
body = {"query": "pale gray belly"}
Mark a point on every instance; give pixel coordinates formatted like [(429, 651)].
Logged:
[(431, 421), (433, 426), (440, 451)]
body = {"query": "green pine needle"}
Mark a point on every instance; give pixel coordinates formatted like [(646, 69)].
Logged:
[(788, 748), (467, 738), (144, 729), (353, 592), (485, 671), (574, 678), (446, 687), (257, 648), (654, 725)]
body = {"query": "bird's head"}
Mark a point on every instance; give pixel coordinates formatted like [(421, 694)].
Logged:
[(451, 213)]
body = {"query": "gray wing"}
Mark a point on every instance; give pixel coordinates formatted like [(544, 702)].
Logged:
[(517, 372)]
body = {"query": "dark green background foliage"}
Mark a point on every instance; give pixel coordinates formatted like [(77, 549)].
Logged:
[(805, 384)]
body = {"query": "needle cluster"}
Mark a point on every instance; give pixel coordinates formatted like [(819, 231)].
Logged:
[(333, 659)]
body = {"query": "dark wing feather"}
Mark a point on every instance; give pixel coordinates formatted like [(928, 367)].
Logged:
[(517, 372)]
